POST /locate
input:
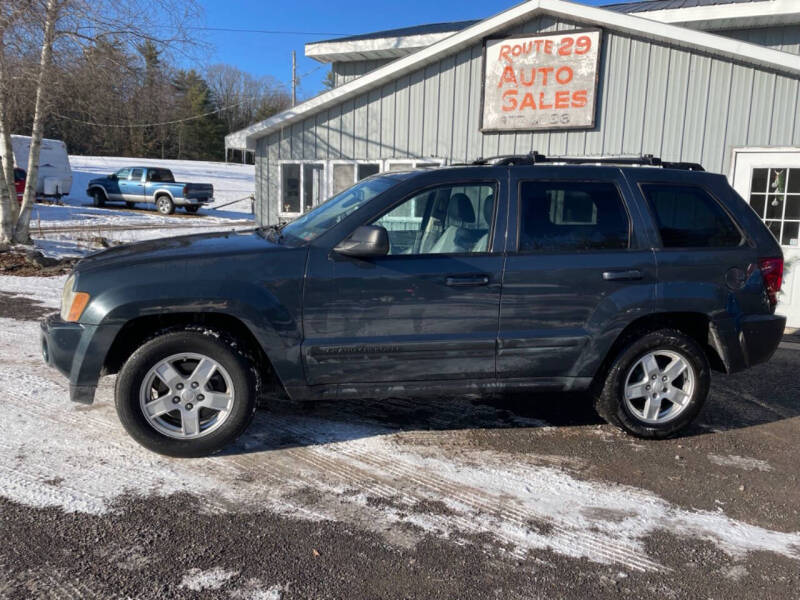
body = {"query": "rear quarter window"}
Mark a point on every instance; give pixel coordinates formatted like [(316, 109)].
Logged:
[(558, 216), (689, 217)]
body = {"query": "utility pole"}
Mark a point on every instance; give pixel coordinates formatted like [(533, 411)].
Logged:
[(294, 78)]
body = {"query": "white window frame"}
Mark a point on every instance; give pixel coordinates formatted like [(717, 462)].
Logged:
[(327, 177), (301, 163)]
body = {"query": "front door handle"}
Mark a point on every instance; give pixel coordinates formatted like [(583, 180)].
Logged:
[(631, 275), (465, 281)]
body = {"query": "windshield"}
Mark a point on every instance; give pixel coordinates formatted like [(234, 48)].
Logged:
[(331, 212)]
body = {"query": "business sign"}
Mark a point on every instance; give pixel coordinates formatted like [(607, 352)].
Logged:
[(540, 82)]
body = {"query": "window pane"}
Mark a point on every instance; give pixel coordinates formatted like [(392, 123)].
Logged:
[(790, 234), (775, 206), (367, 169), (759, 182), (775, 228), (406, 166), (290, 186), (688, 217), (759, 204), (777, 181), (794, 181), (443, 220), (123, 173), (561, 216), (344, 176), (136, 175), (792, 207), (312, 186)]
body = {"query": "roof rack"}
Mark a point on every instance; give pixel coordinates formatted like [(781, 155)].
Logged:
[(535, 158)]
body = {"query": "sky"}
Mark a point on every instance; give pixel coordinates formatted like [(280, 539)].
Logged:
[(314, 20)]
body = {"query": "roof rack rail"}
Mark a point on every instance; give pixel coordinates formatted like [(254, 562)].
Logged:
[(535, 158)]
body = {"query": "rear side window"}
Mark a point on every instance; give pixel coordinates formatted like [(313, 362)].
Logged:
[(689, 217), (571, 215)]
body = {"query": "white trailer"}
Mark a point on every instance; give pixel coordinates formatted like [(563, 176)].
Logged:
[(55, 174)]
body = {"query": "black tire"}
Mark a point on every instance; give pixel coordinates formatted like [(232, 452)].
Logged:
[(130, 205), (165, 205), (98, 198), (191, 209), (131, 377), (610, 402)]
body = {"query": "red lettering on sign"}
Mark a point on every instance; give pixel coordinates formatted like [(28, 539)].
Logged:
[(548, 46), (505, 49), (545, 71), (583, 45), (565, 49), (527, 102), (542, 105), (508, 77), (562, 99), (579, 99), (510, 97), (564, 75)]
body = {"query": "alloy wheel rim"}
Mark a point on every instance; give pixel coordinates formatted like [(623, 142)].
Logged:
[(186, 396), (659, 386)]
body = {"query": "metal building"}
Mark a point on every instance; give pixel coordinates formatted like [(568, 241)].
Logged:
[(709, 81)]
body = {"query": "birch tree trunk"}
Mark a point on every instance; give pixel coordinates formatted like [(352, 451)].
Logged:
[(22, 230), (8, 194)]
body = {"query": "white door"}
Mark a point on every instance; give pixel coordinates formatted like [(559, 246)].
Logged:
[(770, 181)]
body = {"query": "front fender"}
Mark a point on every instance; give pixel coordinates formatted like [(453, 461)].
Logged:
[(261, 309)]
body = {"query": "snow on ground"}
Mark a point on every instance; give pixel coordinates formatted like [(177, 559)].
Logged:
[(341, 468), (73, 228)]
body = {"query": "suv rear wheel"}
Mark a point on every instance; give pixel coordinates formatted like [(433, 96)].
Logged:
[(186, 394), (656, 386)]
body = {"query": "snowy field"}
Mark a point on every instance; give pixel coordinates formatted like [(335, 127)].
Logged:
[(72, 229)]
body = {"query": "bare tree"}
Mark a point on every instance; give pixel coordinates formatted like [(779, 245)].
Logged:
[(70, 25), (11, 12)]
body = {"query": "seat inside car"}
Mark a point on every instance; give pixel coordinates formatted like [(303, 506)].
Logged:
[(459, 234)]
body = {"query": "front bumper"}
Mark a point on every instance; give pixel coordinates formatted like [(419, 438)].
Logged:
[(747, 341), (78, 352)]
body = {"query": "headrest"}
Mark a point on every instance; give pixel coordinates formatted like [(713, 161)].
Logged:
[(459, 208), (488, 208)]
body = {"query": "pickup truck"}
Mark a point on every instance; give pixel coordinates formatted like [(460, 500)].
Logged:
[(152, 185)]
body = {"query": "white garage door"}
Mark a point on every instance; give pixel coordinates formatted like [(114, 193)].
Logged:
[(769, 179)]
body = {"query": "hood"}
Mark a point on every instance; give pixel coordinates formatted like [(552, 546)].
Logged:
[(203, 245)]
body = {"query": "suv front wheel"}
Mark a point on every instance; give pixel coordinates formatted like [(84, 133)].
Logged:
[(186, 394), (656, 386)]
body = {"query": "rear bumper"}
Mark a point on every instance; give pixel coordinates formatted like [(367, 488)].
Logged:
[(748, 341), (193, 201), (77, 351)]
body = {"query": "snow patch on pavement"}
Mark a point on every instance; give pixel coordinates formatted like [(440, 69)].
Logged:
[(399, 484), (45, 290), (740, 462), (198, 580)]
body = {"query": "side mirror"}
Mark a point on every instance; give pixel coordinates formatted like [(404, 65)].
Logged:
[(367, 240)]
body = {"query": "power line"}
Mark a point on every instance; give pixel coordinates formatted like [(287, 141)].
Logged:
[(262, 31), (174, 122)]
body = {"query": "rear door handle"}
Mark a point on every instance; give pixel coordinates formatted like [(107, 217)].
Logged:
[(631, 275), (465, 281)]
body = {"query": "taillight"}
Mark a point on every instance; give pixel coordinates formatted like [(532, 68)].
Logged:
[(772, 271)]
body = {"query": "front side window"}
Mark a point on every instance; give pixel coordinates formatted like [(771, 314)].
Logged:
[(451, 219), (123, 173), (559, 216), (689, 217), (136, 175), (334, 210)]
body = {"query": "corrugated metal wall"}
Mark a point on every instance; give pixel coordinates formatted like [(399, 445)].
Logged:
[(347, 71), (653, 99), (786, 39)]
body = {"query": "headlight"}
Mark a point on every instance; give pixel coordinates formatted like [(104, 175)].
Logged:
[(72, 303)]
